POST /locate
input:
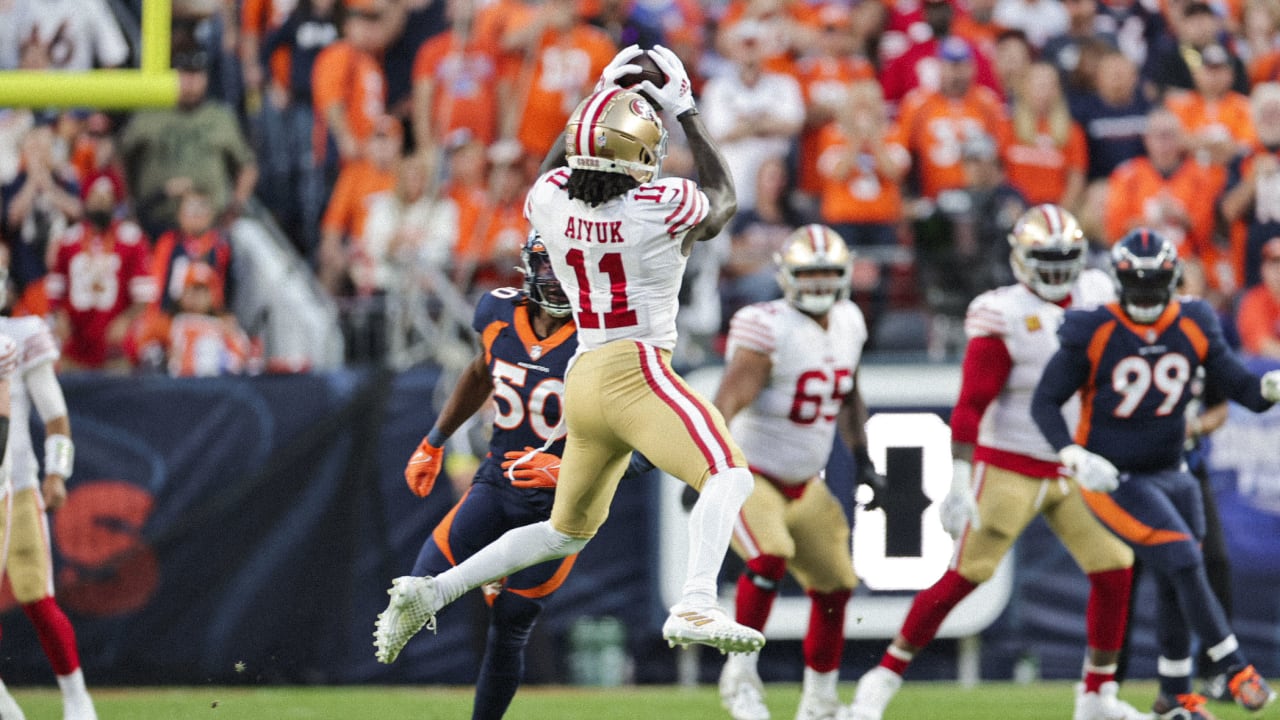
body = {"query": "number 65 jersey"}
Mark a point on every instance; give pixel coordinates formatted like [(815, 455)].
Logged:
[(527, 372), (788, 431), (619, 262)]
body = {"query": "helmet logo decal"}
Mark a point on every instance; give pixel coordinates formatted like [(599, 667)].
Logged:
[(642, 108)]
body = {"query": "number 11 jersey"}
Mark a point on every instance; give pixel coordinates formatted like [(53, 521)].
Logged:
[(620, 262)]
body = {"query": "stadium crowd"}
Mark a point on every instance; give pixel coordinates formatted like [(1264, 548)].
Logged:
[(386, 137)]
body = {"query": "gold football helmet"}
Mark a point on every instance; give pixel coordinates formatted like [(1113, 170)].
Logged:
[(814, 248), (1047, 251), (616, 131)]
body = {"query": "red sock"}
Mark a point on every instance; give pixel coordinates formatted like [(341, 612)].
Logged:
[(824, 642), (757, 588), (1107, 611), (931, 607), (56, 635)]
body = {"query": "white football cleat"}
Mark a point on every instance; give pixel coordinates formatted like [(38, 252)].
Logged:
[(818, 707), (8, 706), (1104, 705), (709, 626), (741, 691), (413, 606), (875, 689)]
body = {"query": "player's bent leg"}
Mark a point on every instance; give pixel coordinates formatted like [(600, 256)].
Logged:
[(416, 600), (502, 668), (761, 539), (741, 691)]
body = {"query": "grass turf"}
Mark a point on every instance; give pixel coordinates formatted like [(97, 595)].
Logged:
[(916, 701)]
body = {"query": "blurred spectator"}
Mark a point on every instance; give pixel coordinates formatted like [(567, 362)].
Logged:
[(98, 284), (1174, 57), (979, 26), (1135, 24), (1261, 32), (344, 218), (1251, 203), (14, 125), (348, 89), (1012, 59), (407, 24), (560, 57), (1066, 50), (918, 65), (1168, 191), (1039, 19), (38, 203), (962, 246), (194, 241), (292, 183), (263, 72), (786, 30), (68, 35), (863, 161), (501, 227), (1258, 316), (197, 145), (754, 114), (1046, 156), (826, 76), (198, 339), (1215, 118), (455, 84), (410, 226), (936, 123), (468, 187), (626, 22), (755, 236), (93, 154)]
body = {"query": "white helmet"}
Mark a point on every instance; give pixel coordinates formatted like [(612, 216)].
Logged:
[(1047, 251), (814, 247), (616, 131)]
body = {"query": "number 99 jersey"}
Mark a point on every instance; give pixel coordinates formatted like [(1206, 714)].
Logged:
[(620, 263), (527, 372), (788, 431)]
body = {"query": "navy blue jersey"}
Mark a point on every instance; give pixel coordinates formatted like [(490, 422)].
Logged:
[(527, 372), (1135, 382)]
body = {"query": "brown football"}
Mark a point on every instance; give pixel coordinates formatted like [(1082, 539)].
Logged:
[(650, 71)]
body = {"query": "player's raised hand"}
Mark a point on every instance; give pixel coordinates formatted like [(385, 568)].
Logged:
[(620, 66), (532, 468), (959, 507), (423, 468), (677, 94), (1091, 470), (1271, 386)]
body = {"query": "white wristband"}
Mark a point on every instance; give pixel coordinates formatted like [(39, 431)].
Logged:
[(59, 455)]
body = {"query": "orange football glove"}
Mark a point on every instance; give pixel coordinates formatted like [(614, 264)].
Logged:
[(423, 468), (542, 470)]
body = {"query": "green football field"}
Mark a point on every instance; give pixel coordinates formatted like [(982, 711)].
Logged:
[(916, 701)]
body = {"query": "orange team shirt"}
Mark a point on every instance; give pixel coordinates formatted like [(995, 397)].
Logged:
[(465, 78), (1231, 115), (567, 67), (824, 80), (1039, 169), (348, 207), (1265, 68), (982, 36), (1257, 319), (471, 202), (259, 17), (780, 60), (864, 195), (343, 74), (934, 127), (1133, 200)]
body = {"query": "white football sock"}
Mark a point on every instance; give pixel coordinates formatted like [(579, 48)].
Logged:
[(517, 549), (710, 527), (8, 706), (820, 684)]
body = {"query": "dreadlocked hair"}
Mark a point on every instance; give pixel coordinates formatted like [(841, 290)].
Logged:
[(595, 187)]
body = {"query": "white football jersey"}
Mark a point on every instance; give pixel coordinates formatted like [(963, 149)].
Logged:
[(35, 346), (1028, 325), (620, 262), (787, 432)]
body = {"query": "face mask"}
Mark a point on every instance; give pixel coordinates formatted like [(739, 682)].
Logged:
[(98, 218)]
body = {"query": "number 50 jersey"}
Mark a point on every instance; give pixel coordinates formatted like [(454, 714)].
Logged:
[(527, 372), (619, 262)]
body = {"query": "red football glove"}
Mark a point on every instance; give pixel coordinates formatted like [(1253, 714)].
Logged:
[(423, 468), (542, 470)]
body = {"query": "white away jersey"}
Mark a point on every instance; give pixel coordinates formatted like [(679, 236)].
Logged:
[(620, 262), (788, 431), (1028, 325), (35, 347)]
